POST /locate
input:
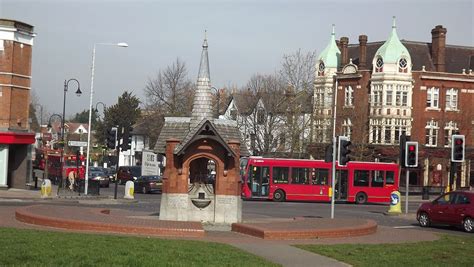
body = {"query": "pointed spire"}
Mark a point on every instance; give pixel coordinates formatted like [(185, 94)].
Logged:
[(394, 25), (331, 54), (202, 106)]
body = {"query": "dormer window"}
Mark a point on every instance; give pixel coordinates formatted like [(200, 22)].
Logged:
[(379, 65), (403, 65), (233, 114), (321, 68)]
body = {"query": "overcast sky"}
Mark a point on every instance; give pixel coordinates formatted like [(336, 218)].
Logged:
[(245, 37)]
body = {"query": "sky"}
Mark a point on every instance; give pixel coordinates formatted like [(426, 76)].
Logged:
[(245, 38)]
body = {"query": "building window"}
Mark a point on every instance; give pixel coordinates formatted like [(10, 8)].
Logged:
[(452, 99), (449, 129), (260, 116), (379, 65), (398, 98), (349, 96), (233, 114), (321, 69), (377, 95), (432, 98), (431, 131), (347, 128), (403, 65), (389, 95), (405, 99), (388, 135)]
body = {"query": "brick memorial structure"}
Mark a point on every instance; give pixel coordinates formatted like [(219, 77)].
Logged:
[(201, 181)]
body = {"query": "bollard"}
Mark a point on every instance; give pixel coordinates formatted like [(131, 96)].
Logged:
[(46, 188), (395, 205), (129, 188)]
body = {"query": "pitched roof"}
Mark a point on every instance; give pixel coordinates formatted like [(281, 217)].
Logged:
[(179, 128), (457, 57)]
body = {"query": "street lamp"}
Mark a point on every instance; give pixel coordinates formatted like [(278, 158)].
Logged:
[(78, 93), (49, 126), (218, 99), (103, 105), (90, 110)]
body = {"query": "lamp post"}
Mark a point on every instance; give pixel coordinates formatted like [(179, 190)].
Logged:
[(218, 99), (90, 110), (49, 127), (78, 93), (103, 106)]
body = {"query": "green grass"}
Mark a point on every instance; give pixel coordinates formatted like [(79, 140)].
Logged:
[(447, 251), (20, 247)]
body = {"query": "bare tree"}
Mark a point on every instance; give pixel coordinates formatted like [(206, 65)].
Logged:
[(171, 91), (298, 70)]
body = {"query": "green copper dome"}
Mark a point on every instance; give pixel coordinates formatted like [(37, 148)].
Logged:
[(392, 50), (331, 55)]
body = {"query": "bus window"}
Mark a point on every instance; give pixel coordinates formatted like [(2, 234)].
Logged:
[(377, 178), (321, 176), (361, 178), (300, 176), (280, 175), (390, 178)]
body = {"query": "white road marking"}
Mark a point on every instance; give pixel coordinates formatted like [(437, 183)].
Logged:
[(405, 227)]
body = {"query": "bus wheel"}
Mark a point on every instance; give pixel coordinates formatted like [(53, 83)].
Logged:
[(361, 198), (279, 195)]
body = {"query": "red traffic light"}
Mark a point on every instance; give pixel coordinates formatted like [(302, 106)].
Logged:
[(411, 148), (458, 141)]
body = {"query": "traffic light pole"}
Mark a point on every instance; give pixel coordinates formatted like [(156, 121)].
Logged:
[(407, 180), (334, 151), (117, 148)]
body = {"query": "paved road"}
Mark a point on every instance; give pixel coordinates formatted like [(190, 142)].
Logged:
[(150, 203), (269, 209)]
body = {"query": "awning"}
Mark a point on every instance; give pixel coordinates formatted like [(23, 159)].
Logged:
[(17, 138)]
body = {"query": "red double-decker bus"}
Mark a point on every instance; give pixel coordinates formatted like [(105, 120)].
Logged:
[(310, 180)]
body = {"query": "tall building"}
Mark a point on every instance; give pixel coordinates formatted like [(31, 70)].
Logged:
[(384, 89), (16, 43)]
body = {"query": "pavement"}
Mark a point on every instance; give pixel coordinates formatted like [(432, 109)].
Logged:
[(267, 238)]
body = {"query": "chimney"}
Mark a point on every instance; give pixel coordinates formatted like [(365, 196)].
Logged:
[(362, 52), (438, 48), (344, 51)]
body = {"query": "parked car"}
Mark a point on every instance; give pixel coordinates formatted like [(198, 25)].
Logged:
[(453, 208), (147, 184), (128, 173), (98, 174)]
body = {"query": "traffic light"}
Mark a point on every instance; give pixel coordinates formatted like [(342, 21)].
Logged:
[(458, 148), (343, 151), (111, 140), (411, 156), (127, 139), (403, 139)]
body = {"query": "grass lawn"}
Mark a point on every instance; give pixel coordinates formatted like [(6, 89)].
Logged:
[(448, 251), (21, 247)]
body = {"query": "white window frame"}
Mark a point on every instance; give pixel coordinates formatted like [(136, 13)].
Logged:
[(348, 96), (432, 98), (450, 128), (347, 127), (431, 133), (452, 99)]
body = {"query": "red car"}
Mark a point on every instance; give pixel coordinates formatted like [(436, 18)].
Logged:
[(453, 208)]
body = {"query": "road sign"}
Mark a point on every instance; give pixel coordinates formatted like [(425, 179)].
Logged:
[(77, 143), (149, 163)]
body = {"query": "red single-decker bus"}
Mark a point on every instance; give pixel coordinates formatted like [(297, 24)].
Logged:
[(310, 180)]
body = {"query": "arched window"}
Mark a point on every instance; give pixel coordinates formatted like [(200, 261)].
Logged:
[(379, 65), (403, 65), (321, 68)]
